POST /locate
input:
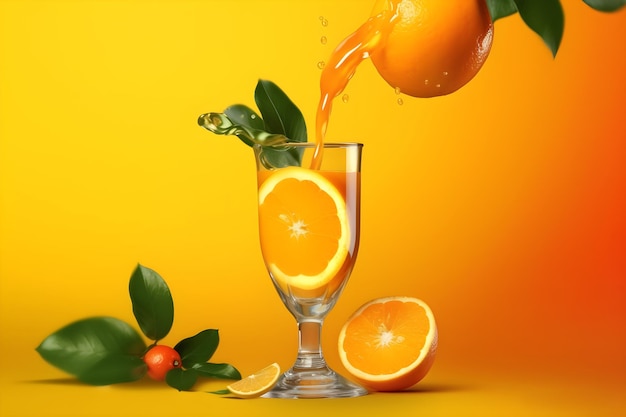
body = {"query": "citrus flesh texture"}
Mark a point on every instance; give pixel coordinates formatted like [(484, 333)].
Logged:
[(304, 228), (256, 384), (389, 344), (433, 47)]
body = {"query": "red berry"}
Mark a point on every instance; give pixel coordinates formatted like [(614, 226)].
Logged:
[(160, 360)]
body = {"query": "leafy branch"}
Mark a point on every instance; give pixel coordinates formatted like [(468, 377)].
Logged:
[(280, 122), (545, 17), (106, 350)]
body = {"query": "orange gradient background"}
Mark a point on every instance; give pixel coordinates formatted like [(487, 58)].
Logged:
[(503, 206)]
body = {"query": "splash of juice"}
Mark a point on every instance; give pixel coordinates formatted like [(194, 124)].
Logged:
[(342, 65)]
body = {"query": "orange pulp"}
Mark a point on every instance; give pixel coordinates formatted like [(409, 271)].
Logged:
[(308, 256)]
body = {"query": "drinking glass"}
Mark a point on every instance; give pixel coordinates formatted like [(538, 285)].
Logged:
[(310, 302)]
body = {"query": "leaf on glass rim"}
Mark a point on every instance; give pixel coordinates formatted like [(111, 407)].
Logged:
[(217, 370), (279, 113), (281, 116), (606, 5), (199, 348), (244, 116), (501, 8), (221, 124), (281, 122), (152, 301), (181, 379), (80, 345), (114, 368)]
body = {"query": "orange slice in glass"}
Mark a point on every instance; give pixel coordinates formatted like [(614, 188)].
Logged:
[(304, 227)]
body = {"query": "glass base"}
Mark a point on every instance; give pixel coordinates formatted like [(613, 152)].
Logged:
[(317, 383)]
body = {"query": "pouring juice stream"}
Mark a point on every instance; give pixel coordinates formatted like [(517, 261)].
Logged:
[(342, 65)]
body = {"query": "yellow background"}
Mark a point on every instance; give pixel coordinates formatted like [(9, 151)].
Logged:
[(502, 205)]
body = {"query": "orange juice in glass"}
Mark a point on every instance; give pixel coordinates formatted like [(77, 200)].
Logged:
[(309, 235)]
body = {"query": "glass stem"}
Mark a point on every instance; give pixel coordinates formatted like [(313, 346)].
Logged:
[(310, 356)]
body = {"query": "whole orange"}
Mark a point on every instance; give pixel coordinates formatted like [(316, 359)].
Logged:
[(434, 46), (160, 360)]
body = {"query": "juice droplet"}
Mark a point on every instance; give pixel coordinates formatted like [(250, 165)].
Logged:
[(321, 65), (345, 98), (425, 82), (445, 73), (323, 40), (438, 86), (400, 101), (323, 21), (397, 90)]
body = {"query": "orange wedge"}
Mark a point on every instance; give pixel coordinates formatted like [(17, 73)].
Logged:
[(256, 384), (304, 227), (389, 344)]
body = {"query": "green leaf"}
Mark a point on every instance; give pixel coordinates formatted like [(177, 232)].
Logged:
[(546, 18), (606, 5), (220, 392), (279, 113), (217, 370), (244, 116), (79, 346), (221, 124), (181, 379), (281, 116), (281, 122), (152, 301), (198, 348), (113, 369), (279, 157), (501, 8)]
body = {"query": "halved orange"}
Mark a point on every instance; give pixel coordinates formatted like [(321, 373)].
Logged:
[(389, 344), (304, 227), (256, 384)]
